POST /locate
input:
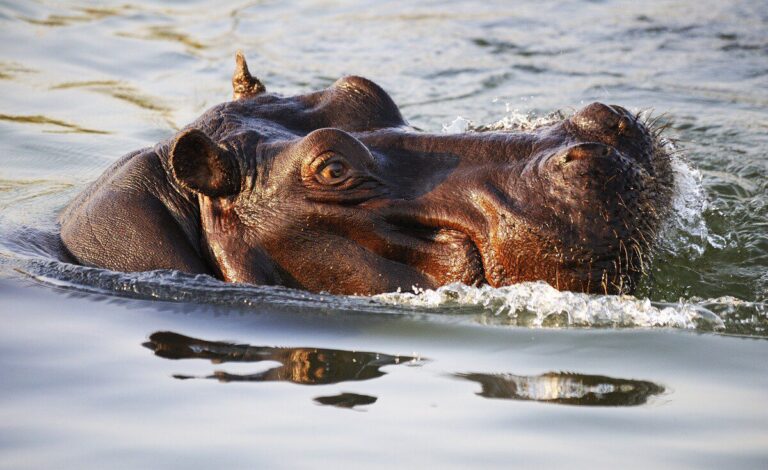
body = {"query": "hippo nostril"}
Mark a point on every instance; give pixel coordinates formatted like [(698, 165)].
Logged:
[(577, 153), (587, 151)]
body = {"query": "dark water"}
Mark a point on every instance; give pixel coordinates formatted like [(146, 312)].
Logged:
[(110, 370)]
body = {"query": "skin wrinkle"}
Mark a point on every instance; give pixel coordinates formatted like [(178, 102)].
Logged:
[(179, 204), (91, 226), (403, 208)]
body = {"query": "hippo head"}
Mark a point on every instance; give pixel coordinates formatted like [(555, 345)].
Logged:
[(333, 191)]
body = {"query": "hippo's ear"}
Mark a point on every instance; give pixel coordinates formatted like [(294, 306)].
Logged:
[(243, 84), (200, 165)]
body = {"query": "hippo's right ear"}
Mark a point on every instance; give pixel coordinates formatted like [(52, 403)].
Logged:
[(202, 166)]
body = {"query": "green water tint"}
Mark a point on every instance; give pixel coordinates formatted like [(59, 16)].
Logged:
[(124, 92), (58, 125), (81, 15), (162, 33), (13, 70)]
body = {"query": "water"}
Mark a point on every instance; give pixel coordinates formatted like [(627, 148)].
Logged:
[(102, 369)]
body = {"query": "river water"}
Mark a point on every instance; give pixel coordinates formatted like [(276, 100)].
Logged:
[(164, 370)]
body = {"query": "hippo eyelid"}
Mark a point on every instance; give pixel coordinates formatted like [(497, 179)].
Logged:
[(325, 158)]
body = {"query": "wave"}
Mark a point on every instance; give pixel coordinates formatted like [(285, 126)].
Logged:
[(537, 304), (529, 305), (36, 254)]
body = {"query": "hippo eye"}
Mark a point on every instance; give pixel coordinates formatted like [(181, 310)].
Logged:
[(332, 170)]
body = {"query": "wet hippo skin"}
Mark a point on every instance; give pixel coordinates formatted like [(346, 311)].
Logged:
[(333, 191)]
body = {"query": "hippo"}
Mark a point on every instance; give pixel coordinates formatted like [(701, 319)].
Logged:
[(332, 191)]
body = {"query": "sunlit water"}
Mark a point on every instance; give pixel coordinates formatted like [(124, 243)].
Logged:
[(102, 369)]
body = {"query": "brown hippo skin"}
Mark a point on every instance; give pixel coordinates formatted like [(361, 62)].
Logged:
[(333, 191)]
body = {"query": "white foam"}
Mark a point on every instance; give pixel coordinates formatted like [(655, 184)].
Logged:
[(457, 126), (537, 304), (686, 232), (516, 120)]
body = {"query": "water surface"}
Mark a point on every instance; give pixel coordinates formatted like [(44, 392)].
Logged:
[(102, 369)]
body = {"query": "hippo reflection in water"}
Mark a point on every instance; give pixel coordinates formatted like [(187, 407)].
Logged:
[(333, 191), (316, 366), (566, 388), (306, 366)]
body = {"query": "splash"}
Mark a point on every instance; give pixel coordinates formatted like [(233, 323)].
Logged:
[(457, 126), (513, 121), (537, 304), (519, 121), (530, 305), (686, 232)]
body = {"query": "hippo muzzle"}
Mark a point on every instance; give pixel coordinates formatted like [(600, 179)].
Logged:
[(332, 191)]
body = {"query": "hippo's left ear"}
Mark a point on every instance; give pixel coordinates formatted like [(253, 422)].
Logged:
[(243, 84), (202, 166)]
